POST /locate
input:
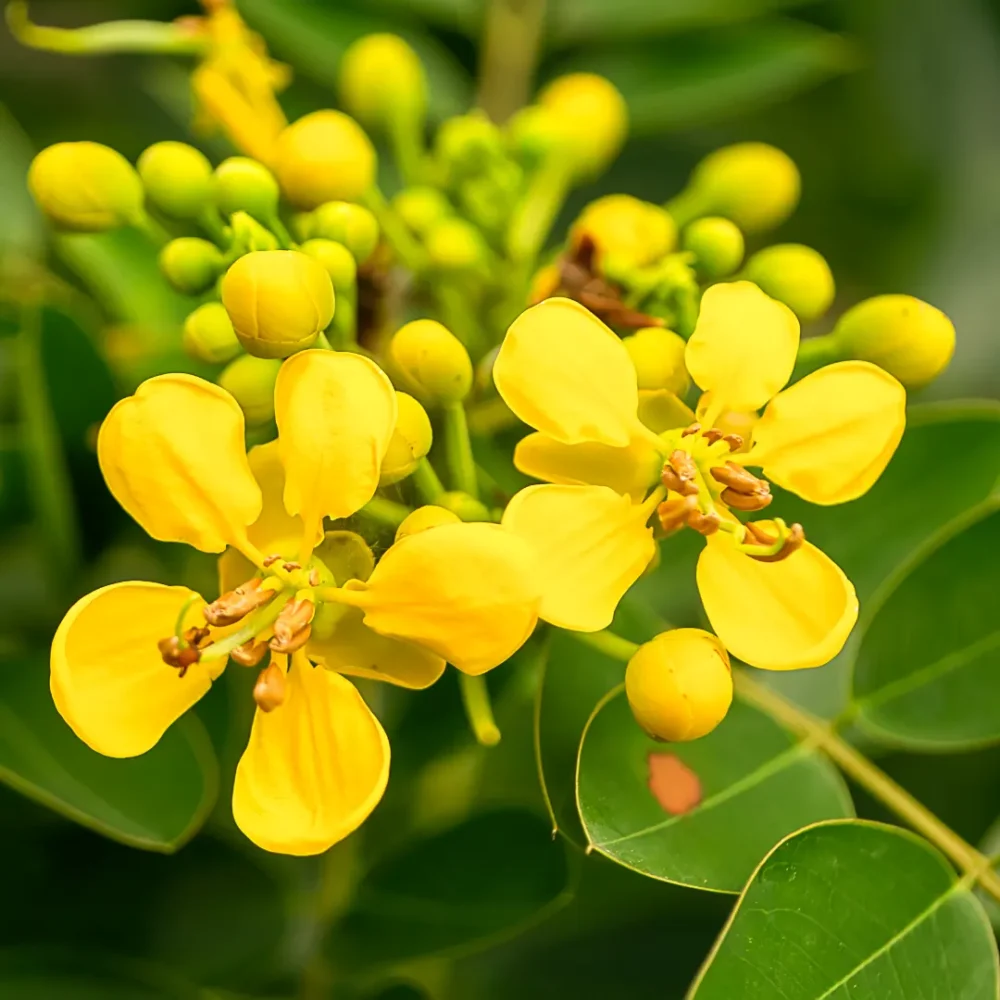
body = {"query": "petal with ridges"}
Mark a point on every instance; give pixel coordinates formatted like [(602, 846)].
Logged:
[(275, 530)]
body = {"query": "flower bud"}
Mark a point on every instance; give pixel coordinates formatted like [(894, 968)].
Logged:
[(381, 78), (410, 442), (627, 232), (432, 362), (250, 381), (590, 118), (464, 507), (244, 185), (324, 156), (658, 357), (177, 178), (909, 338), (794, 274), (466, 144), (424, 518), (717, 245), (190, 264), (352, 225), (337, 260), (209, 335), (456, 246), (421, 208), (679, 685), (278, 301), (530, 135), (86, 187), (249, 234)]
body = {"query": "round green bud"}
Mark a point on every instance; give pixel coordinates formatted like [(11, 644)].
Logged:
[(424, 518), (626, 232), (278, 301), (530, 134), (250, 381), (177, 178), (337, 260), (381, 79), (432, 362), (411, 440), (794, 274), (191, 264), (465, 144), (324, 156), (463, 506), (421, 208), (86, 187), (680, 685), (909, 338), (244, 185), (455, 245), (249, 234), (302, 225), (209, 335), (717, 245), (352, 225), (658, 357)]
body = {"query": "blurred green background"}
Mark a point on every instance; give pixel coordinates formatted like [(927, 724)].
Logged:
[(891, 108)]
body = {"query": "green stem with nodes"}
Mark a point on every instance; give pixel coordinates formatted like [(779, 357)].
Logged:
[(409, 251), (386, 512), (478, 709), (511, 45), (533, 217), (458, 450), (824, 736), (426, 482)]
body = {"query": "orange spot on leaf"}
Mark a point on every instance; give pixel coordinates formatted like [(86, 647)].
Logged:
[(673, 784)]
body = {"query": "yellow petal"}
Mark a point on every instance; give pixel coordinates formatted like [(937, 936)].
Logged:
[(275, 530), (563, 372), (355, 649), (315, 766), (592, 544), (783, 615), (629, 470), (468, 592), (830, 436), (660, 410), (174, 458), (743, 347), (107, 678), (336, 413)]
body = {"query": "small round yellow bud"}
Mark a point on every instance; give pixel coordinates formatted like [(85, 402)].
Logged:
[(717, 245), (352, 225), (422, 207), (680, 685), (177, 178), (658, 357), (909, 338), (794, 274), (464, 507), (432, 361), (278, 300), (337, 260), (244, 185), (411, 440), (590, 117), (381, 77), (424, 518), (466, 143), (209, 335), (627, 232), (455, 245), (190, 264), (86, 187), (250, 381), (324, 156)]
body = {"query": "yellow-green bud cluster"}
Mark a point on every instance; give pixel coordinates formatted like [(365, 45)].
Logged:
[(431, 362)]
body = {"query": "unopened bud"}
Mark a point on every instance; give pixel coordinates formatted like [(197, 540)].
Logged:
[(421, 208), (209, 335), (424, 518), (337, 260), (250, 381), (910, 339), (278, 300), (680, 685), (627, 232), (86, 187), (456, 246), (269, 691), (463, 506), (411, 440), (466, 144), (249, 234), (381, 80), (324, 156), (530, 136), (717, 245), (794, 274), (658, 357), (352, 225), (191, 264), (177, 178), (244, 185), (432, 361)]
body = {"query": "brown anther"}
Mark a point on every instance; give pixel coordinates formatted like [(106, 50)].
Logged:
[(794, 540), (174, 655), (746, 503), (314, 577), (292, 628), (688, 431), (735, 441), (738, 479), (704, 523), (237, 604), (290, 567), (269, 691), (712, 435), (272, 559), (673, 514), (680, 474), (250, 653), (198, 636)]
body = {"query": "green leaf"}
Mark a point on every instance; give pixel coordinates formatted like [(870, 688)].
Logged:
[(753, 785), (715, 75), (156, 801), (483, 880), (853, 909)]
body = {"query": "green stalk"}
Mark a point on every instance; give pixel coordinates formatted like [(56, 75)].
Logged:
[(458, 450), (426, 482), (478, 709)]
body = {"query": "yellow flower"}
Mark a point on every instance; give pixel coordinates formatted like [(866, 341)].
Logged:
[(130, 658), (773, 599)]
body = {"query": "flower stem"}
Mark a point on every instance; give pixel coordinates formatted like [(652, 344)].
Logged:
[(615, 646), (458, 450), (478, 710), (533, 217), (385, 511), (426, 482), (511, 44), (409, 251)]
